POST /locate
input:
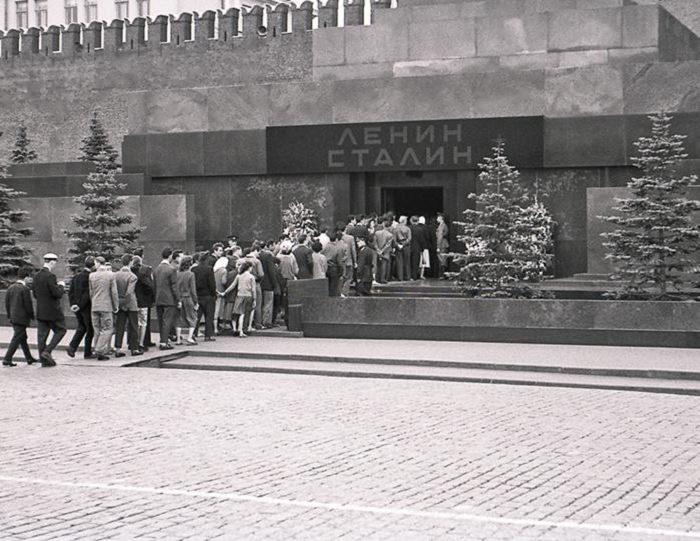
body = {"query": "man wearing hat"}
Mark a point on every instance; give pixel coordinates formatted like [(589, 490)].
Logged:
[(49, 313)]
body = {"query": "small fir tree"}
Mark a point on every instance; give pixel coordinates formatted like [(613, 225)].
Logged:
[(507, 237), (655, 233), (101, 229), (12, 254), (22, 153), (299, 219), (96, 145)]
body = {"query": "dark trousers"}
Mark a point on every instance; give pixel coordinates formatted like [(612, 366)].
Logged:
[(206, 310), (84, 330), (43, 328), (276, 305), (383, 270), (167, 316), (147, 339), (415, 263), (334, 275), (19, 339), (364, 289), (132, 334), (403, 263)]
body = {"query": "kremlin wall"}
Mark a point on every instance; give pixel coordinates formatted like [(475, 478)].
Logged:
[(240, 113)]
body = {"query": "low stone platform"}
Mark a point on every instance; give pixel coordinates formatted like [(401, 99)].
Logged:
[(660, 370)]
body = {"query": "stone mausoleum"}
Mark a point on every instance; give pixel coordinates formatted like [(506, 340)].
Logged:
[(224, 118)]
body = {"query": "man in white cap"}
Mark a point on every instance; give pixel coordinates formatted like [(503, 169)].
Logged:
[(49, 313)]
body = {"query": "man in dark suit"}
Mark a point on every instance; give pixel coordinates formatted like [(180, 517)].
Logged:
[(20, 312), (167, 297), (268, 284), (304, 256), (145, 297), (206, 294), (81, 306), (49, 313), (363, 286)]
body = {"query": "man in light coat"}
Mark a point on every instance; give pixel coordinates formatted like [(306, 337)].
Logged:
[(105, 303)]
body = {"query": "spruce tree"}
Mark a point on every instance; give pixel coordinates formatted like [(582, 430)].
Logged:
[(96, 145), (22, 153), (101, 229), (655, 233), (506, 236), (298, 219), (12, 254)]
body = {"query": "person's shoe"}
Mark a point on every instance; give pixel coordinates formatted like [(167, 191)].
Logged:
[(143, 349), (136, 352), (191, 342), (47, 360), (101, 357), (88, 356), (243, 335), (31, 361), (209, 339), (165, 347), (71, 352), (8, 363), (150, 345), (119, 355)]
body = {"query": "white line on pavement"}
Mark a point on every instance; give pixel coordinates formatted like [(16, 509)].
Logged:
[(570, 525)]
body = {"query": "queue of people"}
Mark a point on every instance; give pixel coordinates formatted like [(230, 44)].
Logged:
[(227, 290)]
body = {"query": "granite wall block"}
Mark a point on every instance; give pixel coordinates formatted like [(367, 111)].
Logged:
[(441, 39), (640, 26), (512, 35), (372, 44), (329, 46), (585, 29), (594, 90)]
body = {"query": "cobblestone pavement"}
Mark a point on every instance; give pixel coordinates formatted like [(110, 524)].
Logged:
[(115, 453)]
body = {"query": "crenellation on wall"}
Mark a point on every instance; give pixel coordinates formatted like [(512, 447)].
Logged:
[(30, 41), (253, 23), (158, 30), (10, 44), (204, 27), (51, 40), (277, 20), (302, 17), (180, 29), (135, 34), (70, 38), (328, 14), (228, 24), (354, 12), (114, 36)]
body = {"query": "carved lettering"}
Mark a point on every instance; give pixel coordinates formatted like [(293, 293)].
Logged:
[(383, 158), (431, 157), (332, 162), (360, 153), (448, 132), (395, 133), (409, 153), (347, 133), (457, 155), (429, 133), (373, 136)]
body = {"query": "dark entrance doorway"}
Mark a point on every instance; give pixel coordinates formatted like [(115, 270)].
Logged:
[(408, 201)]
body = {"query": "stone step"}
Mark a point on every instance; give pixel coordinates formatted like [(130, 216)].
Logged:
[(687, 383)]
